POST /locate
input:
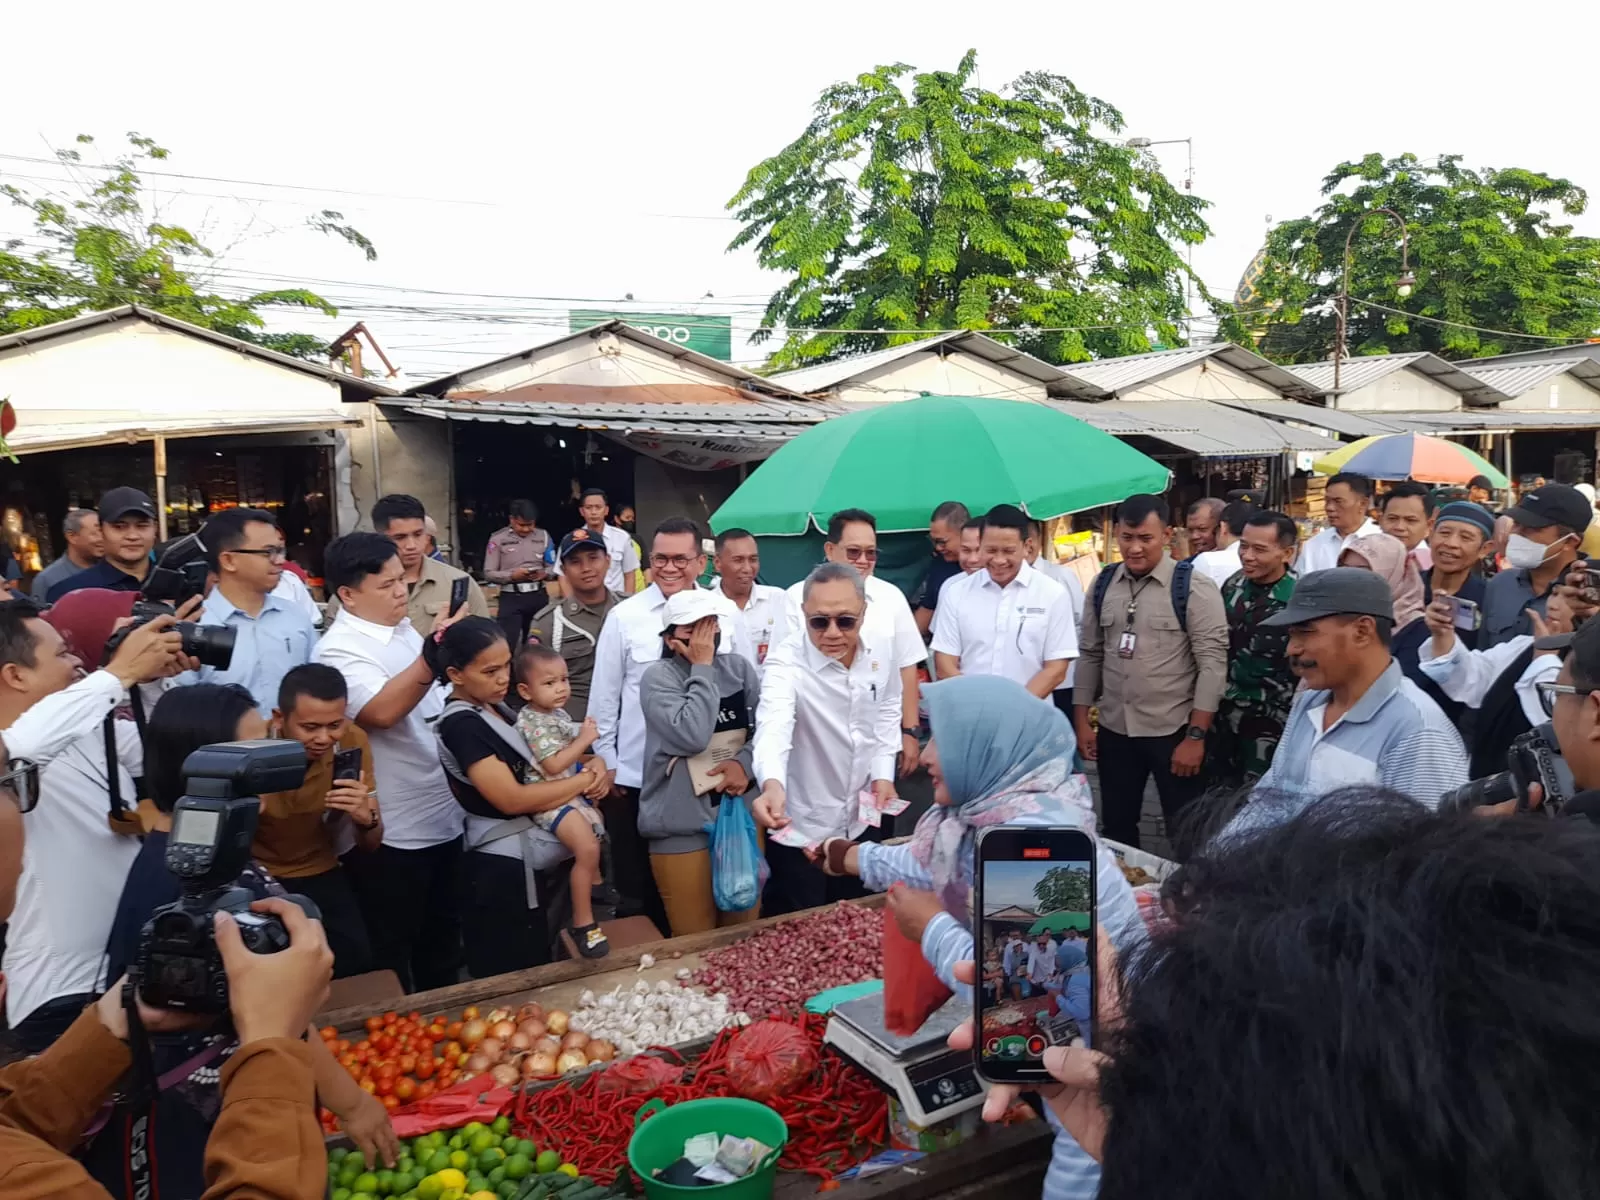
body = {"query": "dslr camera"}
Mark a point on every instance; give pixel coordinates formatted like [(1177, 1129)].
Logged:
[(1534, 757), (178, 965), (178, 576)]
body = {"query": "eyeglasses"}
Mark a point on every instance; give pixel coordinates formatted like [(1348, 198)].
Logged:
[(845, 621), (861, 554), (1549, 691), (271, 553), (22, 779), (678, 561)]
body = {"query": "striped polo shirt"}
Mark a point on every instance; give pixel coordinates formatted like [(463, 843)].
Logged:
[(1394, 737)]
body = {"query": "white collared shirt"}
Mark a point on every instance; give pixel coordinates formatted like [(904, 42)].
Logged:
[(292, 590), (888, 622), (1321, 550), (1219, 565), (1011, 631), (630, 640), (825, 731), (1067, 578), (418, 809), (764, 618)]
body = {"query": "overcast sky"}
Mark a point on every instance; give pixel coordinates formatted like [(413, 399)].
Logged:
[(555, 152)]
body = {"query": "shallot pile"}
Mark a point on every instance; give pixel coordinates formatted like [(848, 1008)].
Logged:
[(535, 1045), (643, 1016), (779, 969)]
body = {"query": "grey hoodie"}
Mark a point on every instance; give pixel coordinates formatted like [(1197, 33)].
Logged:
[(681, 704)]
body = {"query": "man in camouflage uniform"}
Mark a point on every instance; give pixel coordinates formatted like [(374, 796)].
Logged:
[(1260, 686)]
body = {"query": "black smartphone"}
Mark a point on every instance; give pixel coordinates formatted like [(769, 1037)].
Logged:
[(1035, 912), (347, 763), (458, 595)]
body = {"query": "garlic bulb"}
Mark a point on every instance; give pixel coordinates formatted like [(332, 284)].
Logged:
[(664, 1013)]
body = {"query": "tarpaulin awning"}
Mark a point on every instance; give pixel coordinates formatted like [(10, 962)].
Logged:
[(1202, 427), (38, 439)]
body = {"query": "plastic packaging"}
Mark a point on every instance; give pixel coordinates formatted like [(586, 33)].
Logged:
[(768, 1059), (738, 868), (911, 991), (638, 1076)]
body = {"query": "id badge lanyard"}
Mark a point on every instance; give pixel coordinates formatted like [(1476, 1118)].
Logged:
[(1129, 640)]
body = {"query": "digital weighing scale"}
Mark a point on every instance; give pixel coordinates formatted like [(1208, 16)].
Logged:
[(932, 1082)]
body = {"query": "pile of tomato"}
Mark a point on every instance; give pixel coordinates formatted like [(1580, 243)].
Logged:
[(405, 1057)]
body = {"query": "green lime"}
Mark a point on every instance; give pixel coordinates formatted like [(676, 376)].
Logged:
[(349, 1172), (336, 1154), (490, 1159), (459, 1159), (501, 1125), (476, 1183), (506, 1190), (340, 1194), (482, 1141), (518, 1166), (366, 1184), (385, 1182), (404, 1181), (456, 1142), (439, 1162), (527, 1149), (428, 1188), (473, 1129), (547, 1162), (496, 1176)]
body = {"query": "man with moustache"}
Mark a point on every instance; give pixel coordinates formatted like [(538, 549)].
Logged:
[(1357, 721), (1461, 532)]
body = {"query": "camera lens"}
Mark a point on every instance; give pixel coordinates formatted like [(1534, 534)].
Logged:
[(211, 644), (1476, 793)]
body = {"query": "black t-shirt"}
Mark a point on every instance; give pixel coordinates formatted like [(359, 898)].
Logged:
[(938, 574), (468, 737), (101, 575)]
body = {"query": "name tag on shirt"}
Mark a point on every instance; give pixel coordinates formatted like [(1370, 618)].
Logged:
[(1126, 643)]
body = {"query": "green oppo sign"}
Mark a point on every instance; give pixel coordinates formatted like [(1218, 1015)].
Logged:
[(706, 333)]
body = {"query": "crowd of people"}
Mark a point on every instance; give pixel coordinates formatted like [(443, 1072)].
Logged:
[(525, 777)]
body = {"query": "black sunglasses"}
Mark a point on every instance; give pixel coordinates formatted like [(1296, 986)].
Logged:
[(22, 778), (845, 621)]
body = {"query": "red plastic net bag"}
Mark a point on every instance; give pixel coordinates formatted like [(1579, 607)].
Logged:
[(911, 991), (638, 1076), (769, 1058)]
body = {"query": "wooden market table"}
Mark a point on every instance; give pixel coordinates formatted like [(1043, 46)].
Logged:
[(1007, 1160)]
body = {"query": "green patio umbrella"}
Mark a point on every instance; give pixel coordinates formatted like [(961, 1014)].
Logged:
[(900, 460), (1057, 921)]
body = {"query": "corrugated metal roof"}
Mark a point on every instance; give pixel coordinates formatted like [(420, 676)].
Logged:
[(33, 439), (1357, 424), (1589, 350), (1209, 430), (1486, 419), (1516, 378), (752, 421), (1498, 420), (1108, 376), (1356, 373), (825, 376)]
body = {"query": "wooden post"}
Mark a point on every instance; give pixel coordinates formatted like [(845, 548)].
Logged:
[(161, 487)]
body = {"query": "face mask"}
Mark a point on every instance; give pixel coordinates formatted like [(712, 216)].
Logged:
[(1525, 554)]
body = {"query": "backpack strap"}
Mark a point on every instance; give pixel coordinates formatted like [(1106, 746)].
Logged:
[(1102, 584), (1182, 580)]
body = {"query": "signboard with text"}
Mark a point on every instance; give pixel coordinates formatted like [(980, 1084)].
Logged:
[(706, 333)]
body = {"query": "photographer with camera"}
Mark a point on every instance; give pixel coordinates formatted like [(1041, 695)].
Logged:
[(128, 534), (266, 1145), (244, 551)]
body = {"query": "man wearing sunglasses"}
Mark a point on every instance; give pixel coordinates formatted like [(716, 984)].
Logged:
[(828, 728), (246, 555), (888, 623)]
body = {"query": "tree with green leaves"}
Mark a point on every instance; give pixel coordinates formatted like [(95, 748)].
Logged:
[(1064, 889), (923, 201), (104, 249), (1487, 249)]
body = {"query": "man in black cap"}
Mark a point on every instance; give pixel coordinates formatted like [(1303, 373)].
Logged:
[(571, 625), (1358, 721), (1548, 525), (128, 528), (1573, 705)]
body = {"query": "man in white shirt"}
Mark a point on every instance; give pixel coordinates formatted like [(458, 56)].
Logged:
[(1222, 564), (1347, 498), (630, 640), (408, 887), (827, 729), (74, 863), (1007, 619), (763, 610), (622, 576), (1067, 578), (1042, 967), (853, 539), (292, 590)]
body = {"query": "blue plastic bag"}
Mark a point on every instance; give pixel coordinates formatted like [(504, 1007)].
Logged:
[(738, 868)]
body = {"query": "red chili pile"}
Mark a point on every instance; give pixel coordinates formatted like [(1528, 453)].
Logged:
[(774, 972), (837, 1116)]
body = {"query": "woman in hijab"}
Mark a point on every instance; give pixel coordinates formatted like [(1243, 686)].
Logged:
[(1385, 555), (998, 756)]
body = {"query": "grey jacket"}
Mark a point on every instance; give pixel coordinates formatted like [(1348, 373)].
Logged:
[(680, 705)]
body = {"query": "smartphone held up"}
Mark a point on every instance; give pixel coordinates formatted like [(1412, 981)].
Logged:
[(1035, 912)]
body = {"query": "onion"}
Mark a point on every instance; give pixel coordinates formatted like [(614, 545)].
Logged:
[(600, 1050), (530, 1012), (499, 1014), (492, 1048), (505, 1075), (538, 1065), (574, 1040), (519, 1042), (474, 1032), (556, 1021), (572, 1060), (502, 1029), (479, 1063), (533, 1027), (546, 1045)]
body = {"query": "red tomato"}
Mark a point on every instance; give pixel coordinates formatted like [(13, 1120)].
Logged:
[(404, 1089), (347, 1061), (426, 1067), (452, 1050), (385, 1085), (386, 1070), (384, 1044), (369, 1086), (389, 1018), (329, 1033), (374, 1024), (424, 1089), (453, 1030), (390, 1103), (408, 1063), (469, 1013)]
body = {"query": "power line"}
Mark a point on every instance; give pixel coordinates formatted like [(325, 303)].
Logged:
[(1400, 312)]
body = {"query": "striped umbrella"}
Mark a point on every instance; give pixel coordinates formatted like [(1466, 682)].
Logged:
[(1410, 456)]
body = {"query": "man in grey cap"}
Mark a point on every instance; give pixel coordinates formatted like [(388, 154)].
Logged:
[(1358, 721)]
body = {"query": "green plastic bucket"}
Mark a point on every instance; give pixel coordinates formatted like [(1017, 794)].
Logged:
[(657, 1143)]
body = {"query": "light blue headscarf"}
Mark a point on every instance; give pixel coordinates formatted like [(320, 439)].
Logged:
[(1005, 756)]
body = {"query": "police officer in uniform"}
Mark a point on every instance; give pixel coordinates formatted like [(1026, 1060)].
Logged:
[(571, 625), (519, 559)]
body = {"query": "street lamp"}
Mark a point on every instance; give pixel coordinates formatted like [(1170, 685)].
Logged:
[(1402, 285), (1144, 143)]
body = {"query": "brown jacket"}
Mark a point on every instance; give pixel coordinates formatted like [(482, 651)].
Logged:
[(265, 1144)]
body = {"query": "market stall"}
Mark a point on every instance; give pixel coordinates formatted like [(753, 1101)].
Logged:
[(565, 1057)]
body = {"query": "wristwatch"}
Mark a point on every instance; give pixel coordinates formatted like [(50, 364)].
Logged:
[(1194, 733), (911, 731)]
